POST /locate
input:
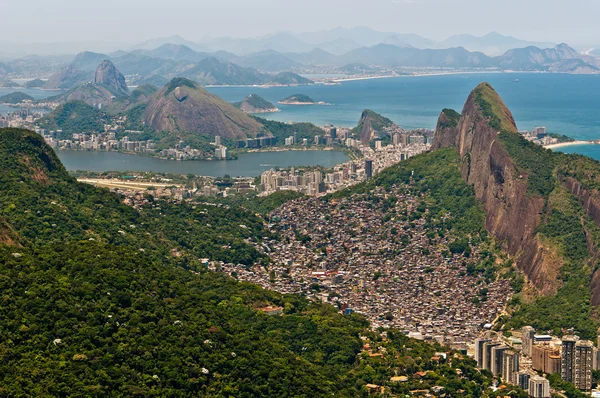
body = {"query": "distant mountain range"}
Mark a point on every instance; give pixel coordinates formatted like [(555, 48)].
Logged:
[(279, 59), (341, 40)]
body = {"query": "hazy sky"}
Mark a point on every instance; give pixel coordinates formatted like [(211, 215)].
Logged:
[(130, 21)]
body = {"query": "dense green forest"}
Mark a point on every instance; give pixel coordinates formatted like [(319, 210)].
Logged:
[(75, 117), (102, 299)]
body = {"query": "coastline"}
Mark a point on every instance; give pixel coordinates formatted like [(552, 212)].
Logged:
[(571, 143)]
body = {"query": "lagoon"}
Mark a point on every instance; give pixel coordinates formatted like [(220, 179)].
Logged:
[(248, 165)]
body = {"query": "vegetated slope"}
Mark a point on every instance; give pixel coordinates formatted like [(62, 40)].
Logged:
[(371, 125), (531, 199), (75, 117), (101, 300), (183, 105), (284, 130), (15, 98), (297, 99), (254, 103)]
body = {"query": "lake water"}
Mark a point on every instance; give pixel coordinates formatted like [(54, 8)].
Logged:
[(248, 164)]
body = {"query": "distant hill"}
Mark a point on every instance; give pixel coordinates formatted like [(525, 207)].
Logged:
[(67, 78), (289, 78), (109, 76), (255, 104), (7, 83), (4, 69), (211, 71), (355, 68), (491, 44), (184, 106), (75, 117), (88, 61), (266, 61), (533, 58), (108, 85), (371, 125), (35, 83), (297, 99), (177, 52), (176, 40), (15, 98)]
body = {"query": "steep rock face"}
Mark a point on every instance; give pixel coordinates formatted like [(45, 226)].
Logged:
[(371, 125), (182, 105), (512, 214), (108, 76), (446, 130)]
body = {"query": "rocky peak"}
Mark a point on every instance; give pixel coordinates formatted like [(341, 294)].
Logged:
[(512, 214), (108, 75)]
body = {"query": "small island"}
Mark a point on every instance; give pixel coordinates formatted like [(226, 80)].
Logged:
[(15, 98), (298, 99), (256, 104)]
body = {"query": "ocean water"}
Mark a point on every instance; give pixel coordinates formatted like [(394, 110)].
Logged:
[(566, 104)]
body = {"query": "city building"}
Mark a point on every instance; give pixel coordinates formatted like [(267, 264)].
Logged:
[(539, 387), (510, 367), (546, 358), (568, 358), (369, 168), (479, 349), (527, 340), (584, 354)]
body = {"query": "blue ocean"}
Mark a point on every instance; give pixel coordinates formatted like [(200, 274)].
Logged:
[(566, 104)]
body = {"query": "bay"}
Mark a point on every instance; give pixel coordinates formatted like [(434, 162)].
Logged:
[(247, 165), (565, 104)]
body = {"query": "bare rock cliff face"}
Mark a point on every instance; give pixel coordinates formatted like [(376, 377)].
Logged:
[(108, 75), (512, 214), (182, 105)]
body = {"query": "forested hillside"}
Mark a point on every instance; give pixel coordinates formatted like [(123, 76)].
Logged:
[(101, 299)]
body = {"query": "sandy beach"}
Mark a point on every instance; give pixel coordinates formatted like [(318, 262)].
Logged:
[(564, 144)]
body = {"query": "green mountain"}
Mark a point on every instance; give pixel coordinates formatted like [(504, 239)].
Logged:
[(255, 104), (15, 98), (101, 299), (297, 99), (75, 117), (371, 125), (289, 78), (541, 206), (184, 106)]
